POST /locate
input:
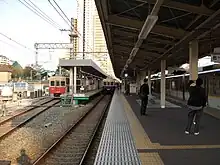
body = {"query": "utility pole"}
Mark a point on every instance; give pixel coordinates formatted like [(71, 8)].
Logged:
[(84, 15)]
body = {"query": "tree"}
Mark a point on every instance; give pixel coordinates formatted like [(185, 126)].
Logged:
[(64, 72), (29, 73), (17, 70)]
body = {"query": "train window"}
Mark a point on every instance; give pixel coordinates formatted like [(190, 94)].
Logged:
[(62, 83), (111, 83), (57, 83), (104, 83), (52, 83)]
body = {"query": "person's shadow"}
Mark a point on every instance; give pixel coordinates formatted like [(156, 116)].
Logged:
[(23, 159)]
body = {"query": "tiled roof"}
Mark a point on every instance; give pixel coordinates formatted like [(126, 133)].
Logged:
[(5, 68)]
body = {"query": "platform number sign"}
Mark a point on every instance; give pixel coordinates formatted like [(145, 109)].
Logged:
[(215, 58)]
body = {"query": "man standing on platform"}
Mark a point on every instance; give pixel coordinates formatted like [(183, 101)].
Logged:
[(144, 92), (196, 103)]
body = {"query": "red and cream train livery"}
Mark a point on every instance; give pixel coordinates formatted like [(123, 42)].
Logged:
[(58, 85)]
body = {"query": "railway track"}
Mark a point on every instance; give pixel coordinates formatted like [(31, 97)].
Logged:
[(11, 124), (26, 109), (72, 146)]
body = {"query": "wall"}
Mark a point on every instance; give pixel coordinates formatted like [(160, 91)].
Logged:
[(5, 76)]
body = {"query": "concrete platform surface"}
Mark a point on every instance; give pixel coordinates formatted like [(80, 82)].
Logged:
[(167, 142)]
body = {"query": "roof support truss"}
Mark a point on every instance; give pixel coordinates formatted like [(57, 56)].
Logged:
[(202, 10), (137, 25)]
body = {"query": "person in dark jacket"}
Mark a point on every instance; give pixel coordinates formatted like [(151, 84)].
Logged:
[(144, 92), (196, 103)]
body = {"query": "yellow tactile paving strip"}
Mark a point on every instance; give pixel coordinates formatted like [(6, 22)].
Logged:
[(152, 158), (142, 141)]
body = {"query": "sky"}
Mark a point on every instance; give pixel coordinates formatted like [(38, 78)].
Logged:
[(25, 27)]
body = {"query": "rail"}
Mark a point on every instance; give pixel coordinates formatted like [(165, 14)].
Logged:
[(7, 128), (23, 112), (72, 129)]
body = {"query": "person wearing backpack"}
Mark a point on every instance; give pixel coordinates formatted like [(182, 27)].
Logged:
[(144, 92), (196, 103)]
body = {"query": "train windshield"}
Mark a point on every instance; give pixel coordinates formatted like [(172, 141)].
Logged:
[(52, 83), (57, 83), (62, 83)]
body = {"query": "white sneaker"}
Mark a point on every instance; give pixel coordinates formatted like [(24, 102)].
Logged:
[(186, 132), (196, 133)]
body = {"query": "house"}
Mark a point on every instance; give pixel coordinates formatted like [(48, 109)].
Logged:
[(5, 73)]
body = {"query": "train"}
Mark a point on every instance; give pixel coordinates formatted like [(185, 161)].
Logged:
[(177, 86), (58, 85), (109, 85)]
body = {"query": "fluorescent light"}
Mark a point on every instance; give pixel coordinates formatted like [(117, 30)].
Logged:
[(138, 43), (147, 27), (129, 61), (133, 52)]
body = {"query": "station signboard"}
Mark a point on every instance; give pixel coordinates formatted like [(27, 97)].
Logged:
[(215, 56), (20, 86)]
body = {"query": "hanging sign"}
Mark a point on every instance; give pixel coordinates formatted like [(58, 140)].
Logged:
[(215, 57)]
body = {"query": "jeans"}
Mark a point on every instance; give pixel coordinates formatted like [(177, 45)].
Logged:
[(144, 102), (197, 114)]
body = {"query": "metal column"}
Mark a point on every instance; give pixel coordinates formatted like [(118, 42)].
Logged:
[(71, 80), (149, 82), (75, 76), (193, 59), (163, 84), (60, 70)]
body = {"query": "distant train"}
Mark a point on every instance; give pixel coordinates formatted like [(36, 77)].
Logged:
[(110, 84), (58, 85), (177, 86)]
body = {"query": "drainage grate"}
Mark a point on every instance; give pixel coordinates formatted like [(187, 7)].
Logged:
[(117, 146)]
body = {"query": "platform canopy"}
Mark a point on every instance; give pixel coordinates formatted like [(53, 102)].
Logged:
[(86, 65), (174, 24)]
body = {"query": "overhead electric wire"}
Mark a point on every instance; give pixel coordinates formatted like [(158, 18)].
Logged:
[(67, 19), (49, 18), (72, 26), (59, 13), (38, 14), (16, 42), (62, 11)]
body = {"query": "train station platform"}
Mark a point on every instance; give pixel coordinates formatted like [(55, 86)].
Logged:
[(159, 137)]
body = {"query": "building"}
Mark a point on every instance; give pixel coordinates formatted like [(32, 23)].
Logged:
[(4, 60), (5, 73), (94, 36)]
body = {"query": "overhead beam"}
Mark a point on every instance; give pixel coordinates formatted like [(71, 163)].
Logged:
[(202, 10), (125, 50), (157, 40), (150, 38), (137, 25), (124, 33), (144, 46)]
